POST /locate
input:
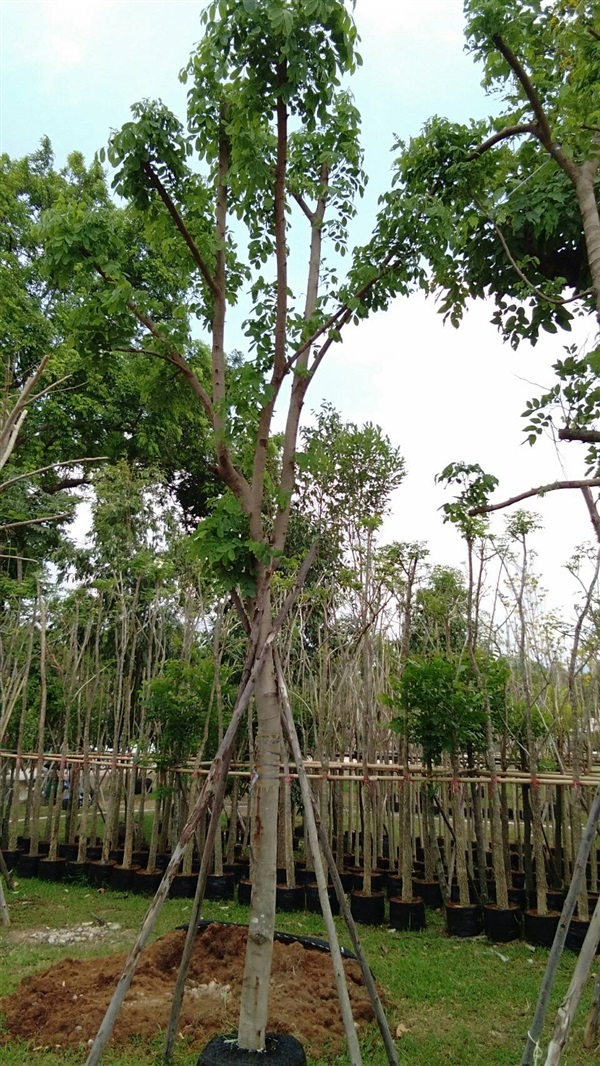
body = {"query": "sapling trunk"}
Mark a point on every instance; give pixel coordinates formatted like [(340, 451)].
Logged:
[(37, 791), (459, 823), (406, 840)]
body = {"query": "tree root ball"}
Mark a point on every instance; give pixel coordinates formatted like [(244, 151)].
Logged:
[(281, 1050)]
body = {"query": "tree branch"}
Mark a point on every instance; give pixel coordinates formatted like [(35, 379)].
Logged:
[(557, 301), (302, 204), (35, 521), (587, 436), (541, 490), (593, 512), (229, 474), (52, 466), (181, 226), (175, 357), (503, 135), (543, 132)]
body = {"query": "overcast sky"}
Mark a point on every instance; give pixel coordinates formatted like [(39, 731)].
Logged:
[(71, 70)]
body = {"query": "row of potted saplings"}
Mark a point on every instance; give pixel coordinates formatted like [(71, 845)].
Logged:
[(439, 840)]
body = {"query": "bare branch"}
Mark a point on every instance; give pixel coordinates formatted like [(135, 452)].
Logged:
[(541, 490), (52, 466), (35, 521)]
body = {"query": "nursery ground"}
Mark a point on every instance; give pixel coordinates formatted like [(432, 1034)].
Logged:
[(464, 1003)]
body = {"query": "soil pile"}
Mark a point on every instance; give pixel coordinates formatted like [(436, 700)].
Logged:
[(63, 1006)]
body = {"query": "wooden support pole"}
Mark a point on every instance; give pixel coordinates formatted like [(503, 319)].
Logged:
[(537, 1025), (568, 1008), (188, 947)]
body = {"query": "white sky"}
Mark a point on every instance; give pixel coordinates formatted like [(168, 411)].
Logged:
[(71, 70)]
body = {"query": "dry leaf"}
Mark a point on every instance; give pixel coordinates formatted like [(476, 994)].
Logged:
[(401, 1029)]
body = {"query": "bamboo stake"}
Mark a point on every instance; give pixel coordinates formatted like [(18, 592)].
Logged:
[(569, 1005), (310, 805), (587, 838), (590, 1035)]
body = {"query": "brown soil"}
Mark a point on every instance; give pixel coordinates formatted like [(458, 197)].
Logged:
[(63, 1006)]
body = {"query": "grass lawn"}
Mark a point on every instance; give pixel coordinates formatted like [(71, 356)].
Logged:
[(455, 1002)]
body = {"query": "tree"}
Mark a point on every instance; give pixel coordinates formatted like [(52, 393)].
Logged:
[(268, 128), (507, 208)]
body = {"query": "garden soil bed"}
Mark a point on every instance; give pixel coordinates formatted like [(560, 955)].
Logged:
[(63, 1006)]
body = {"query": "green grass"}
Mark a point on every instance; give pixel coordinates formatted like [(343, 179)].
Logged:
[(458, 1002)]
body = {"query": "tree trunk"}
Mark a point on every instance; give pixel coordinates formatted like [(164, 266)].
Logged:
[(259, 949)]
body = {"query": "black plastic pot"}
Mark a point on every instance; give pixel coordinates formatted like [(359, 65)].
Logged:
[(303, 876), (140, 858), (455, 894), (407, 914), (244, 865), (234, 868), (518, 896), (576, 934), (183, 886), (556, 898), (11, 858), (68, 851), (368, 910), (245, 893), (518, 878), (289, 899), (219, 887), (146, 882), (122, 877), (94, 853), (463, 921), (99, 873), (313, 903), (347, 879), (394, 886), (358, 882), (51, 869), (430, 892), (281, 1049), (75, 871), (27, 865), (540, 929), (502, 924)]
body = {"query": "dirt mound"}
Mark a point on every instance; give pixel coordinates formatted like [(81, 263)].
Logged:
[(63, 1006)]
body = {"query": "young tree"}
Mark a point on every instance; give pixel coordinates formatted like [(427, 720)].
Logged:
[(268, 130)]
